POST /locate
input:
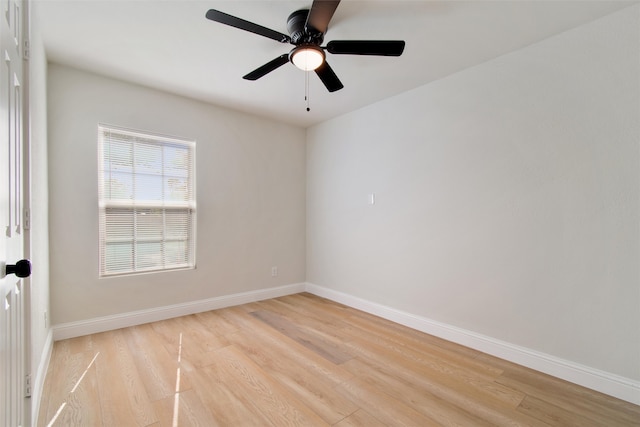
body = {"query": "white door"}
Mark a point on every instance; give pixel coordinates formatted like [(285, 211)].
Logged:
[(13, 306)]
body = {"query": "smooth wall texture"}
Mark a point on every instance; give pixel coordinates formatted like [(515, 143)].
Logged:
[(506, 198), (250, 197), (40, 327)]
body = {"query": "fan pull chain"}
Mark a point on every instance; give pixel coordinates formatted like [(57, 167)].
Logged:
[(306, 89)]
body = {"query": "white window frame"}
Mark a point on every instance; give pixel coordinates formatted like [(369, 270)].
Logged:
[(139, 235)]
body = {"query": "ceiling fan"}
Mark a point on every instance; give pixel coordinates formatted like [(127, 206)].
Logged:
[(307, 28)]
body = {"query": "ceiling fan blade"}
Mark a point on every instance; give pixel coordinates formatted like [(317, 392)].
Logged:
[(329, 78), (366, 47), (320, 14), (223, 18), (268, 67)]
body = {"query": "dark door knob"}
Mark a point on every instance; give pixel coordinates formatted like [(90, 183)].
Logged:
[(22, 268)]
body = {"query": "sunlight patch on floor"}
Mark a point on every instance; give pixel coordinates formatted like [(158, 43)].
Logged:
[(73, 390), (176, 399)]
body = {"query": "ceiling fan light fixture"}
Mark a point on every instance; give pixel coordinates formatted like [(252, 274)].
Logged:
[(307, 57)]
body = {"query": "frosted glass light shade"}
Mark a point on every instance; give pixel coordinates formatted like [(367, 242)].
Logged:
[(307, 58)]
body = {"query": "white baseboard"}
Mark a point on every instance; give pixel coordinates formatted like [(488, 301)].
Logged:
[(108, 323), (604, 382), (37, 386)]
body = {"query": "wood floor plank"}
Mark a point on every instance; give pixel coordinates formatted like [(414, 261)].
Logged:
[(222, 400), (422, 343), (295, 308), (217, 324), (360, 418), (238, 318), (357, 317), (381, 406), (290, 351), (279, 406), (67, 371), (438, 368), (557, 416), (479, 401), (440, 410), (156, 366), (328, 327), (123, 397), (199, 334), (572, 398), (324, 346), (81, 344), (471, 369), (193, 337), (191, 411), (575, 399), (539, 384), (82, 404), (299, 375)]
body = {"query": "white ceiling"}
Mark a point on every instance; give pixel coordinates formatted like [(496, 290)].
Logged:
[(170, 45)]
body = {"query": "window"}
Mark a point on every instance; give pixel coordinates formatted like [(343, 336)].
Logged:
[(146, 202)]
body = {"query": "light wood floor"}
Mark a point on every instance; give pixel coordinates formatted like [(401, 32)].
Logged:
[(301, 360)]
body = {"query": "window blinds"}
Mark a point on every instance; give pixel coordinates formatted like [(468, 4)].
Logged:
[(146, 202)]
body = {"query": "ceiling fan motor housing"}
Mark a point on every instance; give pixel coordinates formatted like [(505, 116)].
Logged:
[(299, 34)]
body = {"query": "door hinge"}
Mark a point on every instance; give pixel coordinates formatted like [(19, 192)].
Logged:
[(27, 219), (27, 385), (26, 50)]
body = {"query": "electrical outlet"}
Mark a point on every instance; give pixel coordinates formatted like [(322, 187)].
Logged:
[(274, 271)]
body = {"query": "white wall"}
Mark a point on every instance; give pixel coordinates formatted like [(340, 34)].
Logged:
[(507, 198), (40, 328), (250, 196)]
